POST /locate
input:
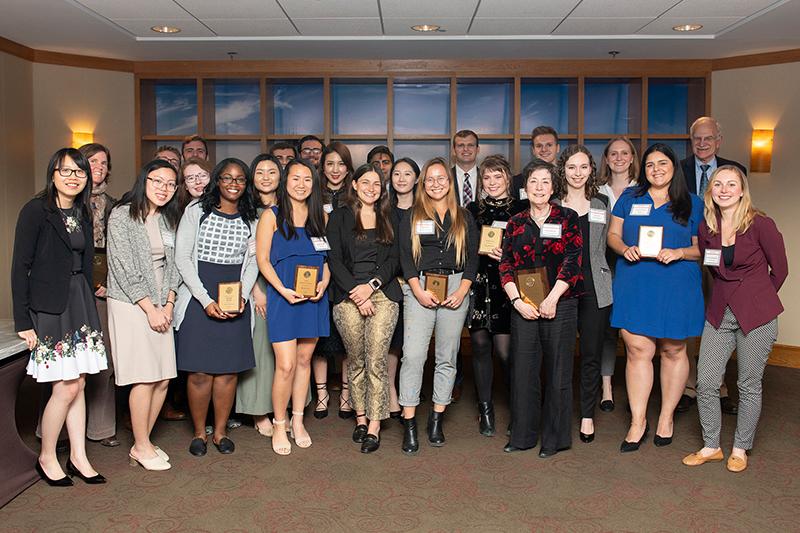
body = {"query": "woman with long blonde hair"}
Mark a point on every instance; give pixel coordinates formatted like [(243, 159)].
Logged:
[(438, 244)]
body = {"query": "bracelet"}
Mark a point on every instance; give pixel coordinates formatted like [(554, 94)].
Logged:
[(514, 300)]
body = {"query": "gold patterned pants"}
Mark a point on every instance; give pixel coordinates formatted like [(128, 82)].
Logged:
[(367, 339)]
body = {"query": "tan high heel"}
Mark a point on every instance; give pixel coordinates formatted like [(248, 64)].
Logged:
[(265, 432), (157, 463), (303, 442), (280, 450), (161, 453)]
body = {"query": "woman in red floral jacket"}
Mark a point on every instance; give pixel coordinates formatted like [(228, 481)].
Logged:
[(546, 240)]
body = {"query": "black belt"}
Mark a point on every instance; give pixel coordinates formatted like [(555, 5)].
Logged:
[(77, 272), (441, 271)]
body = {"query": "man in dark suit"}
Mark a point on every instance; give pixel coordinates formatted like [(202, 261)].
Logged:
[(544, 146), (466, 147), (706, 137)]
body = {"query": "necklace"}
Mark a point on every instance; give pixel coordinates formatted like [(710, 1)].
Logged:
[(71, 222), (542, 217)]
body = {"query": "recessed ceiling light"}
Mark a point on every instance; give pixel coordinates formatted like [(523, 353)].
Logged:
[(165, 29), (687, 27), (426, 27)]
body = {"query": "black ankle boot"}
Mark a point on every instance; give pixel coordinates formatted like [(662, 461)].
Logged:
[(410, 440), (486, 418), (436, 429)]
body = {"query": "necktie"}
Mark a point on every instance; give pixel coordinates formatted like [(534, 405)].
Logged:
[(467, 196), (703, 179)]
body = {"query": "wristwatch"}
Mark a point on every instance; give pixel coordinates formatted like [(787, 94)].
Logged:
[(375, 283)]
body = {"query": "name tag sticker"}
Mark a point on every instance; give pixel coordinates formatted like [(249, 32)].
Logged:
[(499, 224), (597, 215), (550, 231), (320, 243), (168, 239), (522, 194), (641, 210), (425, 227), (712, 257), (328, 208)]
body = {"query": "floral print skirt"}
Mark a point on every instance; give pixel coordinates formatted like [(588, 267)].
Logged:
[(70, 343)]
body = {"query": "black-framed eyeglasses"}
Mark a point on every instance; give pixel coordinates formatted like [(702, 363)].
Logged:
[(166, 185), (67, 172), (227, 179)]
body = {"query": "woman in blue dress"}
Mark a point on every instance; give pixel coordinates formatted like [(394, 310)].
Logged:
[(292, 234), (658, 300)]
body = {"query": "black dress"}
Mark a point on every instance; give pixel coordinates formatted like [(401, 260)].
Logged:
[(490, 308)]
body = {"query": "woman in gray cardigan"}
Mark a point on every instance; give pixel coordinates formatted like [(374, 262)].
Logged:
[(577, 188), (142, 286)]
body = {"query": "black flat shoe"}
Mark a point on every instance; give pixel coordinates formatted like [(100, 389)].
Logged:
[(510, 448), (97, 479), (607, 406), (486, 419), (545, 453), (360, 433), (371, 443), (626, 446), (63, 482), (225, 445), (396, 415), (436, 429), (586, 437), (198, 447), (685, 403), (658, 440), (410, 439), (728, 406)]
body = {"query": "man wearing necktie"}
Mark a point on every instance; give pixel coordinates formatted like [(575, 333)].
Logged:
[(706, 137)]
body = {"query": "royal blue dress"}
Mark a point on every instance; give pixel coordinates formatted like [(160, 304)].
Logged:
[(302, 320), (651, 298)]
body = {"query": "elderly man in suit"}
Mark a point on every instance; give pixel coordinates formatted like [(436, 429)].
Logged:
[(706, 137)]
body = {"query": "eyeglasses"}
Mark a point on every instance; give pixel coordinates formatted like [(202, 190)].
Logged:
[(67, 172), (227, 179), (195, 178), (430, 180), (311, 151), (705, 140), (166, 185), (172, 160)]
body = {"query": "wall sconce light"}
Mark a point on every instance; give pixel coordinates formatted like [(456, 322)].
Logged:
[(761, 151), (79, 138)]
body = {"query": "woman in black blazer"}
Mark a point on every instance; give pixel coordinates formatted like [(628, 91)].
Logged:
[(364, 261), (54, 310)]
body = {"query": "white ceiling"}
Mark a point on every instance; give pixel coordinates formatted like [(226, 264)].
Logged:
[(380, 29)]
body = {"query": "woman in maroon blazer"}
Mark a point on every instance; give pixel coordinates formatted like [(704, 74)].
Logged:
[(745, 253)]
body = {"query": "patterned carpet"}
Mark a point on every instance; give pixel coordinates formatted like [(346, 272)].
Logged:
[(468, 485)]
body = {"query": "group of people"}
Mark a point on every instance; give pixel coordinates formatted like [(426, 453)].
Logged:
[(246, 278)]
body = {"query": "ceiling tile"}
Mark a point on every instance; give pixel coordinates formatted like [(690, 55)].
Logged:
[(714, 8), (126, 9), (711, 25), (423, 9), (513, 26), (402, 26), (622, 8), (251, 27), (600, 26), (330, 8), (523, 8), (244, 9), (338, 26), (141, 27)]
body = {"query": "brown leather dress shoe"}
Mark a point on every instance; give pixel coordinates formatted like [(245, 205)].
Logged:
[(695, 459), (736, 464)]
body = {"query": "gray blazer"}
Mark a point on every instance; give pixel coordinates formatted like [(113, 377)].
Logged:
[(130, 261), (601, 273)]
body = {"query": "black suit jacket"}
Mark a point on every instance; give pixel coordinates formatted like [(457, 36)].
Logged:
[(688, 165), (42, 262), (341, 237)]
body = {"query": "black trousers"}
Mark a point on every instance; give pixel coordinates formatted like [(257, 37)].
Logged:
[(550, 343), (592, 326)]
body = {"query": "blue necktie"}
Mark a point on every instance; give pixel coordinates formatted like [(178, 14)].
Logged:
[(703, 179)]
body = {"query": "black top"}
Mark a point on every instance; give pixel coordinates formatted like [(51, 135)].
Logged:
[(76, 239), (365, 253), (436, 252), (335, 198), (727, 254), (586, 264)]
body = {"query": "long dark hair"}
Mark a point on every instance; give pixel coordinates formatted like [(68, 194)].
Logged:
[(383, 209), (265, 157), (414, 166), (679, 197), (315, 222), (50, 195), (136, 198), (344, 153), (591, 186), (247, 201)]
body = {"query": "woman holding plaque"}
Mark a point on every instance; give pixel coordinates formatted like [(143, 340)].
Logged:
[(746, 256), (364, 262), (658, 300), (439, 256), (336, 167), (541, 273), (215, 254), (292, 250), (142, 285), (490, 322), (578, 191)]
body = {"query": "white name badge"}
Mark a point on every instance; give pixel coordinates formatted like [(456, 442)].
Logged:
[(425, 227), (328, 208), (550, 231), (640, 210), (712, 257), (523, 195), (320, 243), (168, 239), (499, 224), (251, 247), (597, 215)]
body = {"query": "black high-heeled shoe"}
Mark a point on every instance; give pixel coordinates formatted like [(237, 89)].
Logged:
[(626, 446), (396, 415), (586, 437), (344, 414), (72, 470), (321, 400), (410, 438), (63, 482), (436, 429), (660, 441), (486, 419)]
